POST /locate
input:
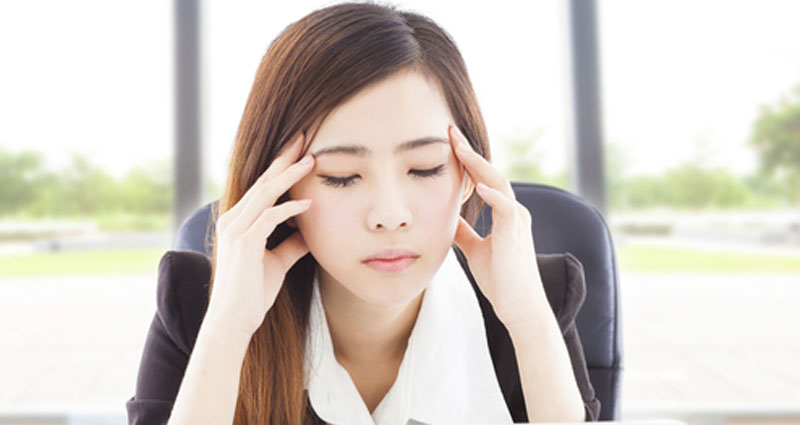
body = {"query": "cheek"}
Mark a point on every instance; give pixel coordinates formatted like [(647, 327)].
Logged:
[(439, 207), (328, 219)]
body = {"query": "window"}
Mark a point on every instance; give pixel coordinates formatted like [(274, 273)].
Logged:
[(709, 247), (86, 151)]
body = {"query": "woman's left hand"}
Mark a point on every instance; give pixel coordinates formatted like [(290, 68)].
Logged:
[(504, 263)]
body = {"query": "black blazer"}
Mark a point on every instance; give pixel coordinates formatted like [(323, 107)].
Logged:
[(182, 299)]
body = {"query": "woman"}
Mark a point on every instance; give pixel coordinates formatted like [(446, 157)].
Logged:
[(364, 307)]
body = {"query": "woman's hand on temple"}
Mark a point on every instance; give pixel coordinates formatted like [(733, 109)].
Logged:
[(504, 263), (248, 276)]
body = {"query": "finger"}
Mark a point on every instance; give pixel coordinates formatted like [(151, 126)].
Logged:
[(289, 154), (289, 251), (466, 238), (267, 194), (284, 159), (479, 169), (268, 220), (503, 208)]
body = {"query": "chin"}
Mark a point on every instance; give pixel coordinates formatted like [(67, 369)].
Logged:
[(386, 290)]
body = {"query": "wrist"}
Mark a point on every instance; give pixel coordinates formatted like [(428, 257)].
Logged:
[(528, 311), (539, 327), (216, 328)]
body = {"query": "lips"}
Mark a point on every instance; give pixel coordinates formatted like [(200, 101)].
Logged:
[(391, 260), (391, 255)]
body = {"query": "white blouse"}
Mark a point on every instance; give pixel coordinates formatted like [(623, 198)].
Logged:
[(446, 375)]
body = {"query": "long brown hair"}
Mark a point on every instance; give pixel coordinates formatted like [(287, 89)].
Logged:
[(315, 64)]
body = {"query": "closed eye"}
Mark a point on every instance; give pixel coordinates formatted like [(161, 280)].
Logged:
[(347, 181)]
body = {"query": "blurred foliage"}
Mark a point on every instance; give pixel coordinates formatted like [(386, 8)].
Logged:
[(690, 186), (142, 199), (20, 179), (776, 137), (687, 187)]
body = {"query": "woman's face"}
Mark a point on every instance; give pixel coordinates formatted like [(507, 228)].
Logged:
[(380, 193)]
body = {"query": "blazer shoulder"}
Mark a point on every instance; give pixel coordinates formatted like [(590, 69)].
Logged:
[(182, 295)]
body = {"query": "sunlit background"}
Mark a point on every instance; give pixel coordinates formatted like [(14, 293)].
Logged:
[(701, 125)]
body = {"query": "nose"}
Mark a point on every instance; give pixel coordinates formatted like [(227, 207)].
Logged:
[(390, 211)]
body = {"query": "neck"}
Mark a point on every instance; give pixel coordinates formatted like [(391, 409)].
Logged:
[(364, 334)]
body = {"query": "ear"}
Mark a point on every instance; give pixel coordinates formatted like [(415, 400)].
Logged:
[(467, 187)]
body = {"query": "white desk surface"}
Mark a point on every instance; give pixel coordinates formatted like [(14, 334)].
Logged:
[(632, 422)]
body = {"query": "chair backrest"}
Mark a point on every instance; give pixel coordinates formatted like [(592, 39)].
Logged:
[(562, 222)]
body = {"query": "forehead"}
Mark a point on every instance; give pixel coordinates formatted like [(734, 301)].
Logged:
[(405, 106)]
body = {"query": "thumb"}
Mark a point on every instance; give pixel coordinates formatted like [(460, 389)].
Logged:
[(466, 238), (291, 250)]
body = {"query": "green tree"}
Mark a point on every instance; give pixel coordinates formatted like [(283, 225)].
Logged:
[(87, 189), (82, 189), (691, 186), (20, 174), (776, 138), (642, 192), (147, 190), (688, 186)]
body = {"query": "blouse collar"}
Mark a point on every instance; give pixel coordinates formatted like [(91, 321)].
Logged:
[(446, 375)]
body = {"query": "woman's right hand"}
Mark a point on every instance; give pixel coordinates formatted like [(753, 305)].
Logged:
[(247, 275)]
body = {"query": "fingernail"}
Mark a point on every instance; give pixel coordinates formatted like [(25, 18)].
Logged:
[(306, 160), (462, 141), (304, 202)]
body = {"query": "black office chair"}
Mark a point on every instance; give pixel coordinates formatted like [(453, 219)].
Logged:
[(562, 222)]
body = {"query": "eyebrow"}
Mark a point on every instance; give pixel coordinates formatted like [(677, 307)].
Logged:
[(362, 151)]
